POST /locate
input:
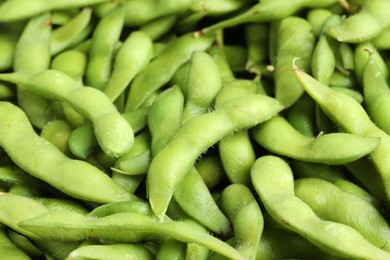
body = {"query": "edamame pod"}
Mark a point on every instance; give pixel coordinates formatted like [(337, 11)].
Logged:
[(114, 134), (10, 11), (273, 180), (164, 175), (338, 107), (132, 57), (122, 227), (295, 39), (278, 136), (376, 93), (116, 251), (62, 37), (9, 250), (332, 203), (32, 55), (159, 71), (49, 164), (239, 204), (101, 51)]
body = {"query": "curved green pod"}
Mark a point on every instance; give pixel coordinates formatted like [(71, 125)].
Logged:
[(77, 178), (165, 175), (273, 180), (278, 136), (123, 227)]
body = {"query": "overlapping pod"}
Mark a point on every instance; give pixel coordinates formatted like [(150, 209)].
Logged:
[(273, 180), (49, 164), (338, 107), (165, 175), (112, 131), (123, 227)]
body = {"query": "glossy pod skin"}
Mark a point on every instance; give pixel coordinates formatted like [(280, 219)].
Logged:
[(273, 180), (49, 164), (165, 175)]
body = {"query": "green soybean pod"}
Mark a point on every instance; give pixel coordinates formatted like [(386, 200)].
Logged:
[(136, 161), (203, 84), (364, 52), (382, 40), (49, 164), (73, 227), (120, 207), (239, 204), (323, 62), (23, 243), (158, 27), (376, 93), (114, 251), (16, 208), (132, 57), (337, 106), (347, 56), (7, 91), (88, 101), (316, 17), (236, 150), (302, 169), (165, 117), (163, 178), (72, 62), (195, 199), (220, 59), (279, 137), (62, 205), (368, 177), (332, 203), (301, 116), (356, 190), (257, 46), (32, 55), (264, 11), (105, 35), (57, 132), (7, 50), (128, 182), (273, 180), (171, 249), (295, 39), (159, 71), (82, 141), (277, 243), (211, 170), (139, 12), (65, 35), (10, 11), (374, 17), (9, 250)]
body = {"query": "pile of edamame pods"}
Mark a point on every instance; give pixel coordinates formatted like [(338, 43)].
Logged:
[(194, 129)]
